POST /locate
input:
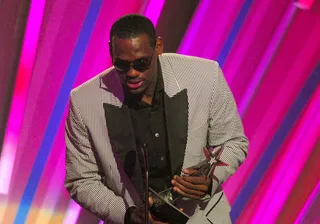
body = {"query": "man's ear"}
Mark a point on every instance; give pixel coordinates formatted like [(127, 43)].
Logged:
[(110, 50), (159, 45)]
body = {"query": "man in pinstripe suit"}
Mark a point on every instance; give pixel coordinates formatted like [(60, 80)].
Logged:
[(176, 104)]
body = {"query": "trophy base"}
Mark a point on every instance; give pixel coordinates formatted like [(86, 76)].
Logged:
[(164, 209)]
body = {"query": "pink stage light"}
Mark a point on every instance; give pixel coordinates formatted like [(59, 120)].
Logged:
[(220, 31), (250, 92), (72, 214), (51, 198), (20, 94), (267, 59), (303, 4), (153, 10), (299, 150), (308, 204), (189, 36)]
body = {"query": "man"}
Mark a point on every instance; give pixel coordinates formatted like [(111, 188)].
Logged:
[(173, 104)]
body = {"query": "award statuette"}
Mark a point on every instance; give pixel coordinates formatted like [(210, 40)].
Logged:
[(164, 202), (164, 209)]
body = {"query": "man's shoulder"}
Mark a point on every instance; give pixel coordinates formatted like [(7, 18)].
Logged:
[(91, 84), (174, 57), (186, 68)]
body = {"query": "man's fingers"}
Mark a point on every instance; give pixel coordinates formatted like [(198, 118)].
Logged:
[(187, 188), (195, 180), (150, 201), (189, 171), (184, 194), (191, 185)]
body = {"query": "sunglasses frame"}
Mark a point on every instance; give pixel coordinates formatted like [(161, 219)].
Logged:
[(132, 65)]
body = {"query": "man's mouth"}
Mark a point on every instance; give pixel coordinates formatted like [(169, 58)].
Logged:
[(134, 85)]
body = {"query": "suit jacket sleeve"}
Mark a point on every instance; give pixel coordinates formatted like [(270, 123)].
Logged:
[(83, 179), (225, 133)]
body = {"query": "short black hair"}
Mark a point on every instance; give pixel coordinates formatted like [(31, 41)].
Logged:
[(133, 25)]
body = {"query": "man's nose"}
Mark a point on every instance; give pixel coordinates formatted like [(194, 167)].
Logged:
[(132, 73)]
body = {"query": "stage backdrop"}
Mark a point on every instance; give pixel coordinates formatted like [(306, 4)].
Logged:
[(269, 51)]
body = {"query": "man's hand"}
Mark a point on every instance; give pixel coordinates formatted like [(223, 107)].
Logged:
[(137, 215), (194, 187), (153, 219)]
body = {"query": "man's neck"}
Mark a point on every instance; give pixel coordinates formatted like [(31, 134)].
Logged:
[(149, 93), (147, 99)]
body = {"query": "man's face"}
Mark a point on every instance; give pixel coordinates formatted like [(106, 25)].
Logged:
[(136, 63)]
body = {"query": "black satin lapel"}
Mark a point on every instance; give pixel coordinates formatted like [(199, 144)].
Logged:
[(122, 139), (176, 115)]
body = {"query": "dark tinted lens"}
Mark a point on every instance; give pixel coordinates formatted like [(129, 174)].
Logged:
[(142, 65), (122, 66)]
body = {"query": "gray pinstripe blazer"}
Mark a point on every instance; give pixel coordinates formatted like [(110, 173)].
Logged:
[(102, 173)]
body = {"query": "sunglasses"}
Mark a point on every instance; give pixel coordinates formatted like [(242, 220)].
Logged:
[(140, 65)]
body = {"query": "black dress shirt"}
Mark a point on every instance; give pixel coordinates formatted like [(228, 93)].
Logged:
[(149, 126)]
